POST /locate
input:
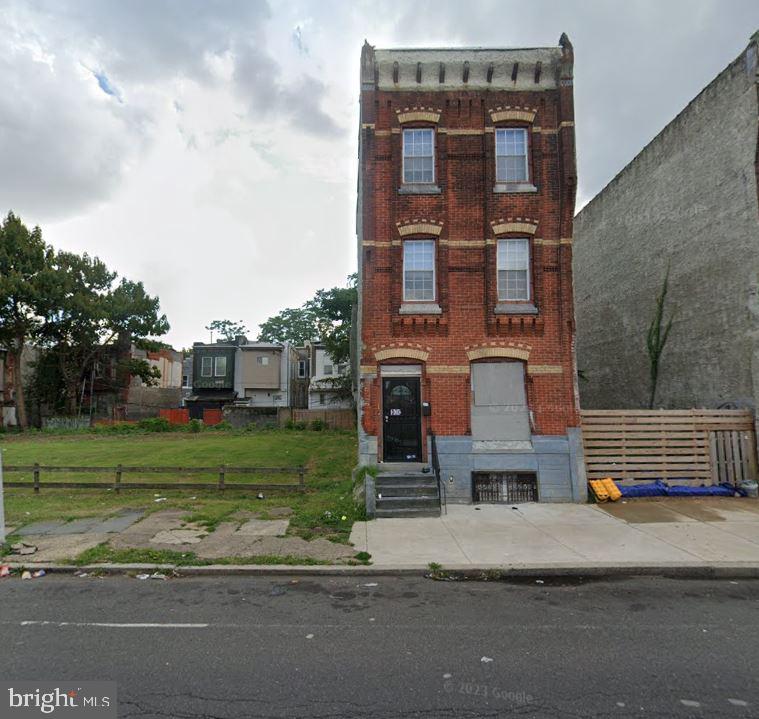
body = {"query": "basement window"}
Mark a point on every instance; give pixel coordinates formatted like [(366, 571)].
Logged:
[(504, 487)]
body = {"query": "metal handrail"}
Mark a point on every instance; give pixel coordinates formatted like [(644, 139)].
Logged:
[(442, 497)]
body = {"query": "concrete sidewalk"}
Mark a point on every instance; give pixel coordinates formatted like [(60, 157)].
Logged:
[(669, 531)]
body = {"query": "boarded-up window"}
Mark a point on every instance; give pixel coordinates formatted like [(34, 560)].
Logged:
[(499, 402)]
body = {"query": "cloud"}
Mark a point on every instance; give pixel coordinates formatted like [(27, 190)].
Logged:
[(87, 82)]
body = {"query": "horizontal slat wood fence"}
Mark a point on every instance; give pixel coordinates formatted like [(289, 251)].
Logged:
[(219, 471), (333, 418), (698, 446)]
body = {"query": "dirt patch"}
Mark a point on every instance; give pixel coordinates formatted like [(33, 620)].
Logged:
[(227, 541), (57, 548)]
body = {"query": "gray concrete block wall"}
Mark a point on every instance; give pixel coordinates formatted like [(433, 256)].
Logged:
[(549, 459), (688, 199)]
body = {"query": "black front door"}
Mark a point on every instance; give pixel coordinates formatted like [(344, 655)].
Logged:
[(402, 435)]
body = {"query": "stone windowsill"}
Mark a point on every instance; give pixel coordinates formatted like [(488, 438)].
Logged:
[(412, 188), (515, 308), (420, 308), (506, 187)]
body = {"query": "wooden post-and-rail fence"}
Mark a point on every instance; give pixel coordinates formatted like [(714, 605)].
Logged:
[(221, 471), (696, 446)]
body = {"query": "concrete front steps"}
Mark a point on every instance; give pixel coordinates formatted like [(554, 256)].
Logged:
[(406, 493)]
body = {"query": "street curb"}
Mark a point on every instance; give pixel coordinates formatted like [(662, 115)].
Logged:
[(690, 570)]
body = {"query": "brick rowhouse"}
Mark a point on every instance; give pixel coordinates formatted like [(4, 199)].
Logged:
[(467, 180)]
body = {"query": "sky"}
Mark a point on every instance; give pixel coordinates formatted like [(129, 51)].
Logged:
[(208, 148)]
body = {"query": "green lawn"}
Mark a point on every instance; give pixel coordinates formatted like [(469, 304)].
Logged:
[(329, 457)]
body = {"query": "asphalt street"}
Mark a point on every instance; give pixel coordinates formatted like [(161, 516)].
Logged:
[(390, 646)]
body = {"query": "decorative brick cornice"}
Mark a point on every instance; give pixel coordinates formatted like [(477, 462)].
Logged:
[(419, 227), (514, 224), (418, 114), (511, 350), (518, 114)]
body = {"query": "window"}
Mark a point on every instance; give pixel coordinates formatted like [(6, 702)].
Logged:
[(513, 270), (418, 156), (511, 155), (342, 368), (419, 270), (302, 368), (262, 361), (327, 369), (186, 380), (322, 398), (220, 367), (206, 367)]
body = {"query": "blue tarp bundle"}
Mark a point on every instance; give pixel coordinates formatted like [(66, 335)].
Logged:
[(658, 488), (651, 489)]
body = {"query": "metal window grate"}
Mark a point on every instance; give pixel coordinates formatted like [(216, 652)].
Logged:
[(504, 487)]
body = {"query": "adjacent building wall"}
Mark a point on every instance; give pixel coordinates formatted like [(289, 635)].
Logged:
[(687, 201)]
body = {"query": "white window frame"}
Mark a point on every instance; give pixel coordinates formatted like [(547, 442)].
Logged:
[(523, 130), (186, 382), (434, 270), (325, 367), (206, 365), (216, 362), (263, 360), (499, 269), (403, 155), (302, 369)]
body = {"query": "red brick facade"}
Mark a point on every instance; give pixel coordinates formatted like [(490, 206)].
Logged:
[(465, 220)]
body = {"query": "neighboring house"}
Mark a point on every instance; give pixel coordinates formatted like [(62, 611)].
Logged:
[(243, 373), (263, 374), (8, 416), (689, 202), (117, 394), (322, 393), (213, 376), (466, 198), (186, 378), (7, 402)]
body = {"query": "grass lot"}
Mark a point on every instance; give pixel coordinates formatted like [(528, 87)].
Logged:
[(329, 457)]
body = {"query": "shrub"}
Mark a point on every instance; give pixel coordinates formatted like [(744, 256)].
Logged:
[(195, 425), (222, 426), (300, 425), (155, 424), (289, 424), (318, 425)]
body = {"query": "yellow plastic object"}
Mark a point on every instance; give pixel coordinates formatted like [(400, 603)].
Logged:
[(611, 488), (605, 490), (599, 490)]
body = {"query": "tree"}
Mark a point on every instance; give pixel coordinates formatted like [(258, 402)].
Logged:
[(296, 325), (227, 329), (85, 314), (657, 338), (326, 317), (24, 280)]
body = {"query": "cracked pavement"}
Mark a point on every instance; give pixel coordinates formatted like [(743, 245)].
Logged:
[(321, 647)]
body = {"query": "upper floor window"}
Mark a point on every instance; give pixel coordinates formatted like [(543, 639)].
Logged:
[(513, 270), (511, 154), (302, 368), (220, 366), (419, 156), (206, 367), (327, 369), (186, 381), (419, 270), (262, 360)]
